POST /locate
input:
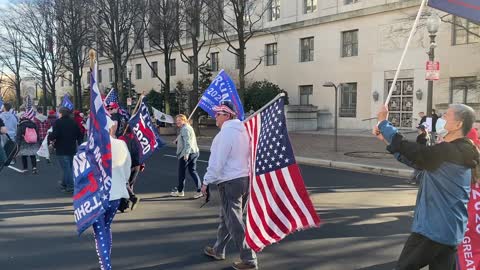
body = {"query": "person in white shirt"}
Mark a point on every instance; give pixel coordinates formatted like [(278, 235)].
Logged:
[(228, 168), (121, 162)]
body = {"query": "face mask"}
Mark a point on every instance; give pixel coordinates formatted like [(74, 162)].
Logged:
[(440, 127)]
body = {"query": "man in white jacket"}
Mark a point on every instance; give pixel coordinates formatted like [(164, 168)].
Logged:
[(228, 168)]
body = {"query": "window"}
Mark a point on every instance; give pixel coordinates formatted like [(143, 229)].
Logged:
[(348, 100), (190, 65), (309, 6), (305, 92), (99, 76), (70, 79), (271, 54), (110, 74), (237, 62), (62, 82), (464, 90), (215, 17), (154, 69), (400, 106), (88, 77), (306, 49), (350, 43), (348, 2), (274, 10), (214, 61), (138, 71), (192, 28), (465, 32), (173, 67)]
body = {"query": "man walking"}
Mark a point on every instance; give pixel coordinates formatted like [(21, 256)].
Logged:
[(228, 168)]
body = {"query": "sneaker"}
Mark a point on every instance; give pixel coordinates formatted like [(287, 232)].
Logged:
[(210, 252), (34, 171), (243, 265), (68, 190), (177, 194), (135, 200), (198, 195)]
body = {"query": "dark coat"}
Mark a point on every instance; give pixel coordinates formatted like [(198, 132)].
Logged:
[(66, 136)]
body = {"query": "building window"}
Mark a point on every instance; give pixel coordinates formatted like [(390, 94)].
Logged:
[(88, 77), (99, 76), (237, 61), (70, 79), (309, 6), (214, 61), (465, 31), (138, 71), (274, 10), (306, 49), (271, 54), (173, 67), (348, 100), (348, 2), (190, 65), (401, 104), (110, 74), (62, 82), (350, 43), (154, 69), (305, 92), (215, 17), (464, 90)]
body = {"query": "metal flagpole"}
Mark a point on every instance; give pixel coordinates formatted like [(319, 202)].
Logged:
[(194, 109), (265, 106)]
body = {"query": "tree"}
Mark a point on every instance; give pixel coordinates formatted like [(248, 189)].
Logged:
[(236, 22), (115, 21), (260, 93)]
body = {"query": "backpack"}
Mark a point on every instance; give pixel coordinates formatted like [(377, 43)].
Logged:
[(30, 135)]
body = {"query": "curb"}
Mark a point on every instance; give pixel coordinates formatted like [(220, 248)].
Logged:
[(341, 165)]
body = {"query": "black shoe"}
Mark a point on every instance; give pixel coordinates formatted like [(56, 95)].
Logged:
[(34, 171), (135, 200)]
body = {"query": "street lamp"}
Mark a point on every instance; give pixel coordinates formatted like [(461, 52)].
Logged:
[(129, 69), (433, 23), (331, 84)]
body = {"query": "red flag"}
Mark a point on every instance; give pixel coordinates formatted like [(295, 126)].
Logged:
[(469, 250), (279, 202)]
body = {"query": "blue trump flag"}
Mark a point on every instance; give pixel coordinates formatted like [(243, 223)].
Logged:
[(221, 88), (468, 9), (146, 135), (67, 103), (92, 165)]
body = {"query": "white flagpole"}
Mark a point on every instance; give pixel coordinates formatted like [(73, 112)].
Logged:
[(194, 109), (412, 32), (265, 106)]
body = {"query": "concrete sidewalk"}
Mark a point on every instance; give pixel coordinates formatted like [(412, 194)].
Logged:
[(361, 153)]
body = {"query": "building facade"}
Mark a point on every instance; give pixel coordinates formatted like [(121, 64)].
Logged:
[(356, 43)]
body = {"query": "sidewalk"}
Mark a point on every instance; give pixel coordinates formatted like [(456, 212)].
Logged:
[(362, 153)]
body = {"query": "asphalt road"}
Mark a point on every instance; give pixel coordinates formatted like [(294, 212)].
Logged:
[(366, 219)]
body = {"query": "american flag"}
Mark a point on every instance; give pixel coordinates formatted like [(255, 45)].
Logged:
[(279, 203), (29, 112), (112, 97)]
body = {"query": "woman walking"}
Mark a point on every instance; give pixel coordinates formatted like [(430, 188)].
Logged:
[(187, 155), (27, 138)]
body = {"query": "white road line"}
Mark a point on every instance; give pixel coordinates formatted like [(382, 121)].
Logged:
[(199, 160), (15, 169)]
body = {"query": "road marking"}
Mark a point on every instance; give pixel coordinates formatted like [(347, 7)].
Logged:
[(15, 169), (199, 160)]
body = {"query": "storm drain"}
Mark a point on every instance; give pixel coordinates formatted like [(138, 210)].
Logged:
[(369, 154)]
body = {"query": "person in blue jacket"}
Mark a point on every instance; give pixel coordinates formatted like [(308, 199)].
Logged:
[(440, 218)]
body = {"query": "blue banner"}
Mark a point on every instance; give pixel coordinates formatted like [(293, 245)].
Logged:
[(469, 9), (221, 88), (146, 135), (67, 103)]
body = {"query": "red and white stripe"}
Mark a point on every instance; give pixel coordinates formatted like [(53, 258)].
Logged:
[(279, 203)]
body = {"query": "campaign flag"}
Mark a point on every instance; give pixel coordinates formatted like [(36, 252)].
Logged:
[(162, 117), (221, 88), (468, 9), (469, 250), (92, 165), (146, 135), (1, 103), (67, 103), (112, 97), (279, 203), (29, 112)]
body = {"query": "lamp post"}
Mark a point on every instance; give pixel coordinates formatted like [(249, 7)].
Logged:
[(335, 130), (433, 23), (129, 69)]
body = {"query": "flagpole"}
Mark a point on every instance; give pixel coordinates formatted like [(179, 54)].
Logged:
[(91, 55), (265, 106), (194, 109)]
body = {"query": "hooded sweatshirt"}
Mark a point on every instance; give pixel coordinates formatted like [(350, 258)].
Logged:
[(441, 207), (229, 154), (11, 122)]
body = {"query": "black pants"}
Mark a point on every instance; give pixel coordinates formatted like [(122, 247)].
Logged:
[(419, 251), (191, 165), (25, 162)]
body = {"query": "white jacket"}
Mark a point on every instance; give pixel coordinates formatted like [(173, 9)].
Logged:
[(229, 154), (121, 169)]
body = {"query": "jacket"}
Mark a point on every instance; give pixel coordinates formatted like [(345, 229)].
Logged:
[(121, 164), (43, 125), (229, 154), (66, 136), (22, 127), (11, 122), (186, 142), (441, 207)]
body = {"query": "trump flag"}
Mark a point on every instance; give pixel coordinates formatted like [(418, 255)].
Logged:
[(468, 9)]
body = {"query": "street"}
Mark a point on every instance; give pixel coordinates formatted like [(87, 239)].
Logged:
[(366, 219)]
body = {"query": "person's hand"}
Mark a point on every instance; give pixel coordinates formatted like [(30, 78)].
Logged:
[(204, 189), (185, 157), (382, 114), (175, 141), (377, 133)]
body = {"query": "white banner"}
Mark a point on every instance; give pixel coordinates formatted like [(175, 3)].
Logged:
[(162, 117)]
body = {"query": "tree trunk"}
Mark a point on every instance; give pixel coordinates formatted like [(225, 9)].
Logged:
[(44, 88)]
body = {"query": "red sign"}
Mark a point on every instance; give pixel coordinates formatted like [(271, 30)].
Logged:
[(433, 71)]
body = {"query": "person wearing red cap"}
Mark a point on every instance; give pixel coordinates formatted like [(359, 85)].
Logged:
[(119, 120)]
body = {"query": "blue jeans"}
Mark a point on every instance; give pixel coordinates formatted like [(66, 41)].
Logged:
[(66, 162), (191, 165)]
